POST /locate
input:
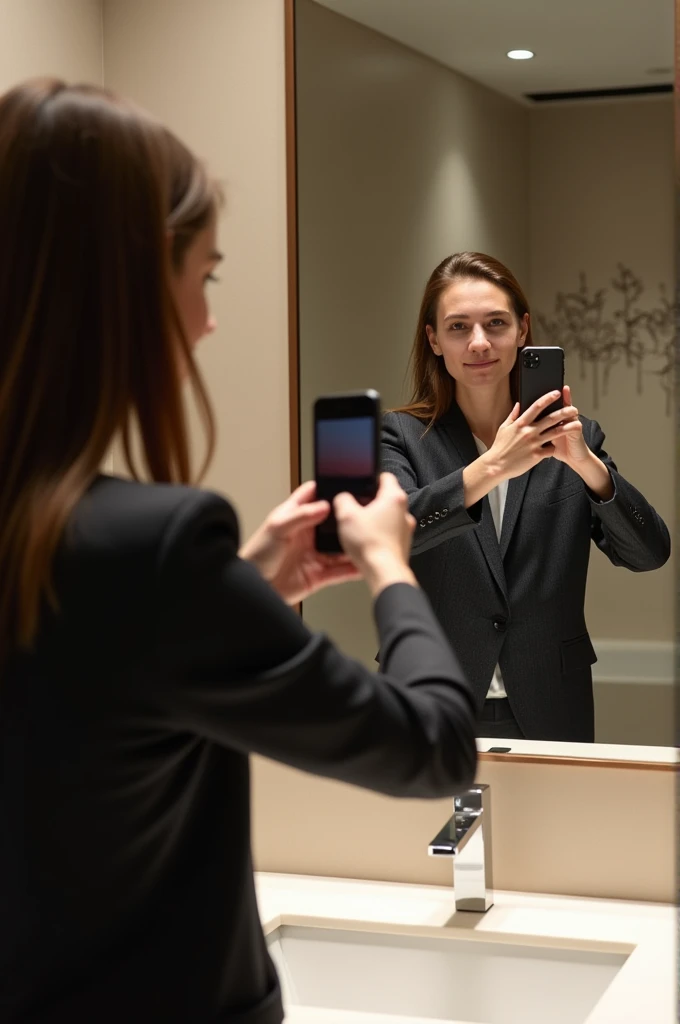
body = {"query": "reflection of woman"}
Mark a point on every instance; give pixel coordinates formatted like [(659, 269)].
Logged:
[(504, 523), (141, 659)]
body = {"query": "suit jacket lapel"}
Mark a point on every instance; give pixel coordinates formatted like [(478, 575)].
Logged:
[(513, 503), (459, 433)]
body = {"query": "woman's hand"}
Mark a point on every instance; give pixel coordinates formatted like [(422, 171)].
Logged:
[(377, 537), (569, 444), (283, 548), (522, 441)]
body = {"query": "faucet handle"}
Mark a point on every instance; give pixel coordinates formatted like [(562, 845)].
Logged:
[(472, 800), (468, 808)]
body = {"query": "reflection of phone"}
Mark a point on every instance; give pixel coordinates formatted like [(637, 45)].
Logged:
[(498, 750), (541, 370), (346, 453)]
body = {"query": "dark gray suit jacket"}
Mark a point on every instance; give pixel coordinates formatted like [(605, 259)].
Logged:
[(519, 603)]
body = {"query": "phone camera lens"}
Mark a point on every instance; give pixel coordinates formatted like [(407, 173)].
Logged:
[(531, 360)]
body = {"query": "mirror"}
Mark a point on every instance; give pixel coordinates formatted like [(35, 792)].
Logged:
[(418, 137)]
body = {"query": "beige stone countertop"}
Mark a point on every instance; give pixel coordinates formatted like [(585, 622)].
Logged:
[(643, 991)]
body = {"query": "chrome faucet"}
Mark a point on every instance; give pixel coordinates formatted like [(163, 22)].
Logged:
[(466, 838)]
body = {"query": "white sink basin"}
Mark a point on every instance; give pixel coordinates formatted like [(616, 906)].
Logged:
[(448, 977)]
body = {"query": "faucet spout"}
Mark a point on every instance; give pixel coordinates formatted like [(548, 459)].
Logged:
[(466, 837)]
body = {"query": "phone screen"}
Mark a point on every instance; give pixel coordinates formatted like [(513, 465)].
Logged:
[(345, 453)]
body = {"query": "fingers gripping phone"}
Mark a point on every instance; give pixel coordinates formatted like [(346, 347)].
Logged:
[(541, 370), (346, 454)]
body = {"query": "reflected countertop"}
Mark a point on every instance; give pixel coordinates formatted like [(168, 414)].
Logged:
[(590, 751), (643, 990)]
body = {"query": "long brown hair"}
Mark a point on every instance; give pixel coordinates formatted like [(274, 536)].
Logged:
[(98, 204), (433, 388)]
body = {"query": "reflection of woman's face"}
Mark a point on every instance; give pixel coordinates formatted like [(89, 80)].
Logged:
[(477, 332), (190, 282)]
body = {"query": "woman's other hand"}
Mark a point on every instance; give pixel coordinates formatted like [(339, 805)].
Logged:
[(569, 444), (570, 447), (283, 548)]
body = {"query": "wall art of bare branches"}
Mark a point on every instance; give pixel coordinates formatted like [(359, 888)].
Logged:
[(613, 326)]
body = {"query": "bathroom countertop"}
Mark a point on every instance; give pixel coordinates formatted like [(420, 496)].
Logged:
[(643, 992)]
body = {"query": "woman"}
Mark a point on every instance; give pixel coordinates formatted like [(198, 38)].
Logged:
[(141, 659), (507, 505)]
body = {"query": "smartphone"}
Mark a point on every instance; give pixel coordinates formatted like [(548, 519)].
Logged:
[(346, 453), (541, 370)]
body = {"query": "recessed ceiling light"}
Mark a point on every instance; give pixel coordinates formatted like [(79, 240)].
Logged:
[(520, 54)]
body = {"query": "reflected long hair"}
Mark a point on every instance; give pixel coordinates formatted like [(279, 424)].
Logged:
[(98, 205), (433, 388)]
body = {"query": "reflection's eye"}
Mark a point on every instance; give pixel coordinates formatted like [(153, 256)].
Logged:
[(497, 322), (457, 325)]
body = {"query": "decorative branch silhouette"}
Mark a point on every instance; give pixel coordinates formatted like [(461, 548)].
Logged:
[(638, 336)]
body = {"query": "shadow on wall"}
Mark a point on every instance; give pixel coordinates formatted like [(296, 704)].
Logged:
[(635, 713)]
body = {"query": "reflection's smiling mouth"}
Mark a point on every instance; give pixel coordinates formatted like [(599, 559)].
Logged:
[(487, 362)]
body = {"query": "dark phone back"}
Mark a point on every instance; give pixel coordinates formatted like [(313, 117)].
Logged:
[(541, 370), (346, 453)]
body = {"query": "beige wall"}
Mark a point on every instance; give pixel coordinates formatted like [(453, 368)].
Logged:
[(213, 70), (635, 713), (580, 831), (50, 37), (602, 194), (400, 163)]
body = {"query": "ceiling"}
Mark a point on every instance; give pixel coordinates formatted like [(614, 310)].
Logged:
[(579, 44)]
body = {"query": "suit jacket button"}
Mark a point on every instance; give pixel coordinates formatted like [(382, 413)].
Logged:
[(499, 625), (445, 513), (637, 515), (437, 515), (430, 519), (423, 522)]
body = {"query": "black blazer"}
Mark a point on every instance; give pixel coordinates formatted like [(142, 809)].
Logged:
[(519, 604), (126, 885)]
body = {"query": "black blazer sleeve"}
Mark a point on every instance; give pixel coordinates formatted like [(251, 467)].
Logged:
[(626, 528), (439, 505), (240, 667)]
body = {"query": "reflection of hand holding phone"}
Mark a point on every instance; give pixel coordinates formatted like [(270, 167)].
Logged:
[(346, 453), (541, 370)]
